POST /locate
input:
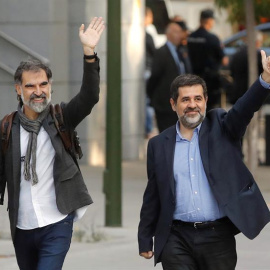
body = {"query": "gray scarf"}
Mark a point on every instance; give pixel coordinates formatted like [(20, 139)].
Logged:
[(33, 127)]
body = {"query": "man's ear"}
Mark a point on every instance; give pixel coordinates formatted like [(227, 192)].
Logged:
[(51, 91), (18, 89), (173, 104)]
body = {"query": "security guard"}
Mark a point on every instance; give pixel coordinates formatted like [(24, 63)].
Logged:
[(206, 56)]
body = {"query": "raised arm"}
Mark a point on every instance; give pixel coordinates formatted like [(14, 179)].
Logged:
[(81, 105), (237, 119)]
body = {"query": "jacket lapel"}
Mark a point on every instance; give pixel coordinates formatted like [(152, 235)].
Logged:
[(16, 153), (204, 148), (168, 52), (169, 147)]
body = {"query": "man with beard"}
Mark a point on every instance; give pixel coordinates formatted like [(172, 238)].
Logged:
[(46, 190), (199, 192)]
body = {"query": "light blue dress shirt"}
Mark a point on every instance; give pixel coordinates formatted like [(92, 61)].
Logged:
[(194, 198), (180, 64), (264, 83)]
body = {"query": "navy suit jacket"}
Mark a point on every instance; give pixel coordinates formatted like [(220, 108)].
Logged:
[(231, 182)]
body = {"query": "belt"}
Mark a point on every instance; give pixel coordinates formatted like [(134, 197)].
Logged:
[(202, 225)]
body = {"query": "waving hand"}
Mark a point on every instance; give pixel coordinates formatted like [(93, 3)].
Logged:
[(266, 66), (90, 36)]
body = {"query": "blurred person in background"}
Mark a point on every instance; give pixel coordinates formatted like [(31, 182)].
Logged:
[(168, 62), (207, 56), (178, 19), (150, 49), (159, 39)]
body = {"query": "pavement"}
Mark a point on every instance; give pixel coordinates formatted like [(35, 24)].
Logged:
[(95, 247)]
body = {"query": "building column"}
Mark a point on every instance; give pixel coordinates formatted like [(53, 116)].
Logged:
[(133, 89)]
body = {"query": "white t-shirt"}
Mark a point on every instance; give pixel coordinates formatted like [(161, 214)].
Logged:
[(37, 203)]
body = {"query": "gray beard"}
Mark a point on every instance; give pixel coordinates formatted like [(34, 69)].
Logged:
[(191, 122), (37, 107)]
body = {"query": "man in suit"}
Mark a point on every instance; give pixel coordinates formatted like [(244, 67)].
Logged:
[(168, 62), (46, 190), (206, 56), (199, 192)]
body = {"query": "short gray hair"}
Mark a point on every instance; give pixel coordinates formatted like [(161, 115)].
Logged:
[(31, 65)]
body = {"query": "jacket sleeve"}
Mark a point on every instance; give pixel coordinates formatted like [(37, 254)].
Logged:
[(81, 105), (150, 207), (237, 119)]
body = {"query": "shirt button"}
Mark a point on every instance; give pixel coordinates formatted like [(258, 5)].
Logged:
[(196, 192), (193, 175), (191, 159), (199, 209)]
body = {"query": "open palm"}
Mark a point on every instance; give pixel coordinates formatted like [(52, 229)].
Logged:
[(90, 37)]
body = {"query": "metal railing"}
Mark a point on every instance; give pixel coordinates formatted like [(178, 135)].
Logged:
[(22, 48), (6, 68)]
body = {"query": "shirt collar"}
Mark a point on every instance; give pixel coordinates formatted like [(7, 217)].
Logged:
[(178, 133), (170, 45)]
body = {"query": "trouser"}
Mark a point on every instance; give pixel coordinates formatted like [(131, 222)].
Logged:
[(44, 248), (207, 248)]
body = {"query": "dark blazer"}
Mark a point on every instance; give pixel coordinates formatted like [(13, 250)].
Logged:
[(231, 182), (163, 72), (71, 191), (149, 50)]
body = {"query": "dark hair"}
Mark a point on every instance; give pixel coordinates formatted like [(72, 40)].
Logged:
[(207, 14), (186, 80), (31, 65), (182, 24)]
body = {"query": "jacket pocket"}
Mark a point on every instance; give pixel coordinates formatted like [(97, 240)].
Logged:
[(68, 172), (248, 210)]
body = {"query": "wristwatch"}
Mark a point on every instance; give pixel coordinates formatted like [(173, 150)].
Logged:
[(90, 57)]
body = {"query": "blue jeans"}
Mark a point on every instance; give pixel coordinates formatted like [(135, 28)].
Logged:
[(44, 248)]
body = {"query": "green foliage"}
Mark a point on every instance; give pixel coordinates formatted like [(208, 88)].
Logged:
[(236, 9)]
